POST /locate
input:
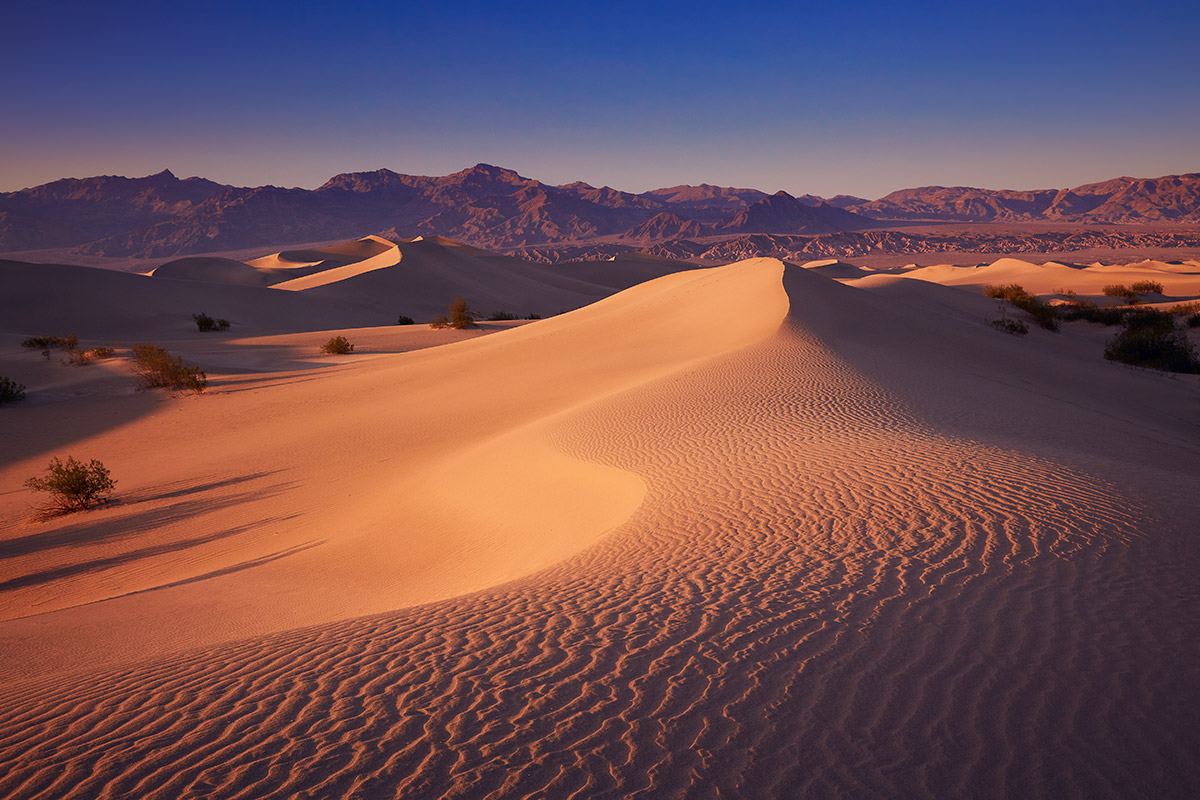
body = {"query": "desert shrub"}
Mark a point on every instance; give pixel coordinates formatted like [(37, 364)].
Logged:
[(156, 368), (206, 323), (81, 358), (73, 485), (1012, 292), (10, 390), (337, 346), (1013, 326), (501, 316), (461, 316), (78, 358), (1146, 287), (403, 320), (1122, 291), (1193, 321), (47, 343), (1104, 315), (534, 316), (1150, 339), (1016, 294)]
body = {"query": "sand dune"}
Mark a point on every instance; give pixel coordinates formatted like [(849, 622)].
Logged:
[(740, 532), (388, 256), (365, 283), (212, 270), (835, 268), (1048, 278)]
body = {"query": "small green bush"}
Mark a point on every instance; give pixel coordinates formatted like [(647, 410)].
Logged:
[(1146, 287), (73, 485), (1013, 326), (10, 390), (156, 368), (1016, 294), (1150, 339), (461, 316), (206, 323), (501, 316), (337, 346), (403, 320)]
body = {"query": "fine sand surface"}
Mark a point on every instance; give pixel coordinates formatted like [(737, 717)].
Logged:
[(735, 532)]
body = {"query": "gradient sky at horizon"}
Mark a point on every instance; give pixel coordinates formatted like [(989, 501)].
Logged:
[(855, 98)]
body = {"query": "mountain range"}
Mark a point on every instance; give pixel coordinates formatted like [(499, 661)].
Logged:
[(162, 216)]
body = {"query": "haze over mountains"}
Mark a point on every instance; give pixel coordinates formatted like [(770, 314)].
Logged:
[(162, 216)]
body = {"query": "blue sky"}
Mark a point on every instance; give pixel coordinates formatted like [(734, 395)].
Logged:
[(850, 97)]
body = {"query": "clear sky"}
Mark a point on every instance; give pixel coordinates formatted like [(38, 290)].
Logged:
[(826, 97)]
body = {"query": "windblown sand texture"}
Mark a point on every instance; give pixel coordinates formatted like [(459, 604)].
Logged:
[(738, 532)]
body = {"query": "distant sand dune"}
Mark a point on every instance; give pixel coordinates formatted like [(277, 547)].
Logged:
[(780, 537), (1178, 280)]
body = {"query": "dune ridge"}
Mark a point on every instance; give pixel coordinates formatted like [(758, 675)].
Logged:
[(855, 571)]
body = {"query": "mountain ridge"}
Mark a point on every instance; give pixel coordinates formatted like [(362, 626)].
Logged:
[(497, 208)]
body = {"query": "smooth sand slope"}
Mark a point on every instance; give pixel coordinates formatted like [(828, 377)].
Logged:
[(742, 532)]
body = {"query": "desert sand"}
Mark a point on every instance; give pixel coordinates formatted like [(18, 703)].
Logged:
[(750, 531)]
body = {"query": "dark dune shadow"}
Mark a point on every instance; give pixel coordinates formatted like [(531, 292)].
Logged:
[(219, 386), (97, 565), (244, 565), (92, 531), (169, 490), (49, 432)]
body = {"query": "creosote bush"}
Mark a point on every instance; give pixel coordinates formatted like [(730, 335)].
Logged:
[(10, 390), (206, 323), (1150, 339), (47, 343), (534, 316), (337, 346), (461, 316), (405, 320), (1146, 287), (73, 485), (1122, 291), (156, 368), (81, 358), (1014, 293), (501, 316), (1104, 315)]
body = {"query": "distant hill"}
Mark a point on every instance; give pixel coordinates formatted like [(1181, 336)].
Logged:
[(162, 216), (1174, 198)]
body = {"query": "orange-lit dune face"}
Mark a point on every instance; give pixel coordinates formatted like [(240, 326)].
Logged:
[(759, 530)]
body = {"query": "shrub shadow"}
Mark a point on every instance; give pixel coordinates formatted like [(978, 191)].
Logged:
[(90, 530)]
